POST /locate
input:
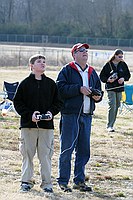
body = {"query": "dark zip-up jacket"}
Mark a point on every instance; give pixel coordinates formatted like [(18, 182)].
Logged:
[(36, 95), (122, 71), (69, 82)]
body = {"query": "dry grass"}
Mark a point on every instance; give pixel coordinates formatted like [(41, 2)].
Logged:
[(109, 170)]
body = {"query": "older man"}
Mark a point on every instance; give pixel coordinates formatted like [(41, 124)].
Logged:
[(79, 87)]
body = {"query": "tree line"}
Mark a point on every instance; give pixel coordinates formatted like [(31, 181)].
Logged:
[(74, 18)]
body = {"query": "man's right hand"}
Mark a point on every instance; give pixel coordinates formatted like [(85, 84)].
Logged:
[(34, 119), (86, 91)]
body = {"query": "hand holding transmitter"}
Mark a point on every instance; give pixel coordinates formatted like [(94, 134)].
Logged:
[(43, 116), (95, 92)]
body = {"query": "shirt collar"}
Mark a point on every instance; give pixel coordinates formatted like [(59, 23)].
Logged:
[(80, 68)]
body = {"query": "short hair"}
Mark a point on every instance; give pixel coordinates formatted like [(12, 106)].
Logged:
[(33, 58)]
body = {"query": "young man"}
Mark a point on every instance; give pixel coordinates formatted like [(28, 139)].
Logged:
[(36, 95), (79, 87)]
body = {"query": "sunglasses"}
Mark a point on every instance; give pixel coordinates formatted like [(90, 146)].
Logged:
[(81, 50), (120, 56)]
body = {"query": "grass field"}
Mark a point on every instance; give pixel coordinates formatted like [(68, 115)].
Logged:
[(110, 170)]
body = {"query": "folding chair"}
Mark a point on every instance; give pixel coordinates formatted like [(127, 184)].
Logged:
[(9, 90), (127, 100)]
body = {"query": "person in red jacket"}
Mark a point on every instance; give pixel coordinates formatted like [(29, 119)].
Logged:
[(36, 101)]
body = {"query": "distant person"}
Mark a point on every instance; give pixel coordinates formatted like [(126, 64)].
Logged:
[(37, 95), (113, 74), (80, 88)]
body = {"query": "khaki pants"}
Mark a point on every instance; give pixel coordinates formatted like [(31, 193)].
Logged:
[(114, 99), (42, 141)]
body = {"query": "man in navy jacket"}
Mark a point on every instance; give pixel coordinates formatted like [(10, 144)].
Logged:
[(79, 87)]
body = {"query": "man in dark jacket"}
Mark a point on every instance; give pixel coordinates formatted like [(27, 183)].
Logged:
[(79, 87), (37, 95)]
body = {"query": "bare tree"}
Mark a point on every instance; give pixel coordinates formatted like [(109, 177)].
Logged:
[(94, 18)]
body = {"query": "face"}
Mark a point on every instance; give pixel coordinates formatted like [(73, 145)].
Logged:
[(119, 57), (81, 54), (39, 65)]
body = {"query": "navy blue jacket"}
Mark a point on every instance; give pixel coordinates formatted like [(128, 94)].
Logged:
[(69, 82)]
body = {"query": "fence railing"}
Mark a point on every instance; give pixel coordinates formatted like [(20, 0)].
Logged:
[(17, 55), (65, 40)]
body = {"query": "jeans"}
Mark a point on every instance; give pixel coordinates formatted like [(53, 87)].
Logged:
[(75, 135), (114, 99)]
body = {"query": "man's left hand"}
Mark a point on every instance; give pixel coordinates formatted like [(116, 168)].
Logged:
[(51, 116), (96, 97)]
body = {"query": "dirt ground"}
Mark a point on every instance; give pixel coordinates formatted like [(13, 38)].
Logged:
[(109, 171)]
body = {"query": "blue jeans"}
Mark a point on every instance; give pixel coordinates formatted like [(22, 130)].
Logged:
[(75, 135)]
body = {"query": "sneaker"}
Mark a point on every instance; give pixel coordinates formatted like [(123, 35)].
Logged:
[(26, 187), (65, 188), (110, 129), (82, 187), (48, 190)]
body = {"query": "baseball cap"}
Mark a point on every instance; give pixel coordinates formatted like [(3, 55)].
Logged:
[(78, 46)]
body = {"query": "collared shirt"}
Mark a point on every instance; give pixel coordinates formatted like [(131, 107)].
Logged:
[(84, 75)]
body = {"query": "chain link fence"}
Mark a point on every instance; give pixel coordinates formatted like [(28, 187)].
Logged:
[(44, 39), (17, 55)]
